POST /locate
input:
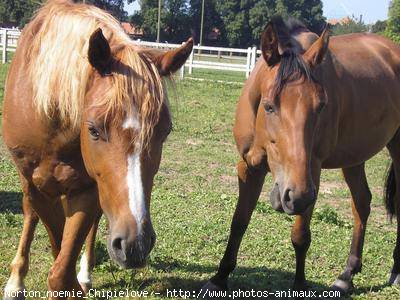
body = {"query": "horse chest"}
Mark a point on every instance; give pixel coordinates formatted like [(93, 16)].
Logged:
[(55, 177)]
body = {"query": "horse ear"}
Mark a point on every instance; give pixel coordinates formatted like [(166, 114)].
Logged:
[(100, 53), (316, 53), (270, 45), (171, 61)]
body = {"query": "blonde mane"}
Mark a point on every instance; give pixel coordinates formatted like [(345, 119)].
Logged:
[(60, 71)]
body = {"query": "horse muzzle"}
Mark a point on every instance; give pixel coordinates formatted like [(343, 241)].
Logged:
[(296, 202), (292, 202), (128, 252)]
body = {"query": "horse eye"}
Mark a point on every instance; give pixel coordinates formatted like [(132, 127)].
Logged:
[(269, 108), (94, 133)]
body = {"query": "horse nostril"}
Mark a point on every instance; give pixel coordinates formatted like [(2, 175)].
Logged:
[(117, 244), (286, 196)]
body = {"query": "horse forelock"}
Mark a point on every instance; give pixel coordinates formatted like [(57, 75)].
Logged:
[(292, 65), (57, 60)]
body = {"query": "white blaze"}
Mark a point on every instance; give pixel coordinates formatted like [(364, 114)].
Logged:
[(131, 123), (134, 179)]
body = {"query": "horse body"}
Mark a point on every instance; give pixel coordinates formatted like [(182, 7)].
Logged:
[(85, 116), (364, 105), (332, 103)]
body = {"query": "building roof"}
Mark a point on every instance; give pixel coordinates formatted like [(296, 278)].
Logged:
[(131, 29)]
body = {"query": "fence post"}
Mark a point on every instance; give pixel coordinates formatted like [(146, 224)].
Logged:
[(248, 62), (4, 46), (191, 57), (182, 70), (253, 58)]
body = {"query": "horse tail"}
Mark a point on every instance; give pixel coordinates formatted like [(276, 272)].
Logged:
[(390, 191)]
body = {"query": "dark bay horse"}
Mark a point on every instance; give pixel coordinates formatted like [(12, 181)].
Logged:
[(310, 104), (85, 117)]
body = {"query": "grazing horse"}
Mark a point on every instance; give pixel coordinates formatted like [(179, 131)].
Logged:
[(85, 117), (310, 104)]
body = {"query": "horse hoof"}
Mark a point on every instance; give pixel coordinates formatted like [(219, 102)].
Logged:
[(86, 286), (394, 279), (208, 288), (343, 287), (14, 295), (300, 286)]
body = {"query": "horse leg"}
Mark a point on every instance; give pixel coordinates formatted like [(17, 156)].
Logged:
[(361, 198), (301, 240), (51, 213), (250, 185), (394, 150), (81, 211), (87, 261), (20, 264), (301, 237)]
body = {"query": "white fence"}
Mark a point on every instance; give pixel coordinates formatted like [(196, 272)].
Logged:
[(202, 57), (8, 42)]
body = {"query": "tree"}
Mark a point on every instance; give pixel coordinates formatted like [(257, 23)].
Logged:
[(308, 11), (115, 7), (352, 25), (393, 22), (259, 15), (21, 11), (379, 26), (18, 12), (212, 18), (174, 25)]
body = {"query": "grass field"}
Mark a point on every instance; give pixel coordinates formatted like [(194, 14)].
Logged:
[(192, 205)]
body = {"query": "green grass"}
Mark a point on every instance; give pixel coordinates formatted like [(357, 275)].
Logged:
[(193, 201)]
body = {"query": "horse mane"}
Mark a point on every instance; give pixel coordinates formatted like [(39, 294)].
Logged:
[(292, 65), (58, 65)]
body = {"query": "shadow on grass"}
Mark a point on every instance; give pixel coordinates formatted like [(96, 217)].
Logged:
[(11, 202), (258, 278)]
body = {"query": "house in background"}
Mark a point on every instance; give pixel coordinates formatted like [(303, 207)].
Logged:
[(132, 30), (343, 21)]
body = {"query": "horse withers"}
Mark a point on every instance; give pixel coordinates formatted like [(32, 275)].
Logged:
[(311, 103), (85, 117)]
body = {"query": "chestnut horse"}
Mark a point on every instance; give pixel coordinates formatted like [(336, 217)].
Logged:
[(85, 117), (312, 104)]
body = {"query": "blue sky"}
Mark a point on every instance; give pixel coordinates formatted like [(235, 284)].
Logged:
[(372, 10)]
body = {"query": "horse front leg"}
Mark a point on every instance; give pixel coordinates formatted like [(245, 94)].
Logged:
[(301, 240), (361, 199), (87, 261), (250, 185), (81, 211), (20, 264), (301, 235)]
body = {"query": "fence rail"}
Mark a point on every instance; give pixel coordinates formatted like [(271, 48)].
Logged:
[(205, 57), (8, 42), (202, 57)]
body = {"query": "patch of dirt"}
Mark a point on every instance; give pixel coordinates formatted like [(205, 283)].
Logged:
[(327, 187)]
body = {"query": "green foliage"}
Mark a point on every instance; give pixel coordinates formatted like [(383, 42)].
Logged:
[(393, 23), (308, 11), (212, 19), (18, 12), (352, 26), (115, 7), (174, 25), (379, 26), (239, 21)]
